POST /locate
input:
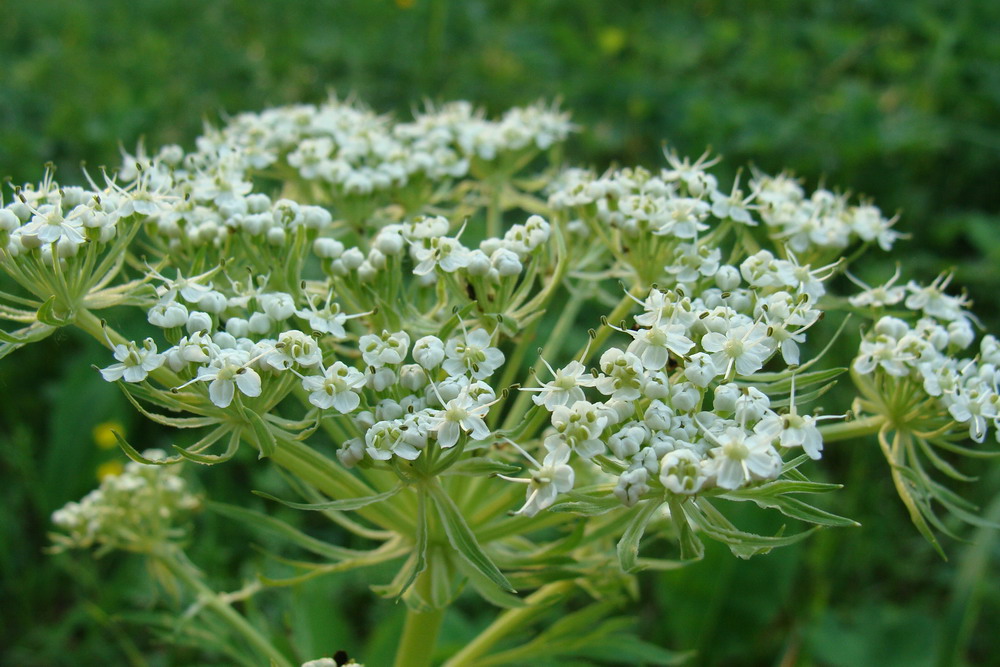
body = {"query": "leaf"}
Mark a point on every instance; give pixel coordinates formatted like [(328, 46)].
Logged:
[(586, 505), (743, 545), (193, 454), (781, 383), (692, 548), (386, 552), (782, 486), (462, 538), (29, 334), (259, 521), (484, 586), (797, 509), (628, 545), (173, 422), (134, 454), (419, 543), (343, 505), (263, 434), (482, 466), (47, 314)]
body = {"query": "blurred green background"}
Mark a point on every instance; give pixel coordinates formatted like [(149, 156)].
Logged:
[(897, 100)]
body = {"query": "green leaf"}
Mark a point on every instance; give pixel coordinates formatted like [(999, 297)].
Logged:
[(134, 454), (781, 383), (586, 504), (47, 314), (692, 548), (462, 538), (192, 454), (263, 434), (628, 545), (386, 552), (797, 509), (29, 334), (259, 521), (485, 587), (743, 545), (419, 544), (173, 422), (343, 505), (780, 487), (478, 466)]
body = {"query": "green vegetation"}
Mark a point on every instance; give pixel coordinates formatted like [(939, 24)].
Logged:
[(895, 100)]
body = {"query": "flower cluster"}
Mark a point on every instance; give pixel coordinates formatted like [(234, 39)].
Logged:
[(679, 410), (358, 298), (930, 354), (684, 200), (136, 510)]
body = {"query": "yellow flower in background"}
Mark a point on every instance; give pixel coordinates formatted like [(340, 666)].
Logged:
[(109, 469), (104, 436), (405, 4), (611, 40)]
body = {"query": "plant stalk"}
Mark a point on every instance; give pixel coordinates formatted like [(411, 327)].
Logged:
[(847, 430)]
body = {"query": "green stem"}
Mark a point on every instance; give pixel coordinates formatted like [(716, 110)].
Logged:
[(176, 562), (508, 622), (556, 339), (420, 633), (857, 428), (618, 314)]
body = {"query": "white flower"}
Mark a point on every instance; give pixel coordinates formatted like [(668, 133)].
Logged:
[(681, 471), (700, 369), (579, 427), (387, 348), (739, 458), (932, 300), (444, 252), (472, 354), (550, 478), (654, 345), (565, 388), (461, 413), (622, 375), (632, 485), (744, 347), (226, 372), (429, 352), (793, 430), (337, 388), (277, 305), (294, 347), (135, 363), (168, 315)]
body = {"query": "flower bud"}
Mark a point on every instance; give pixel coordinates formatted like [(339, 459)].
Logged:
[(352, 258), (238, 327), (412, 377), (260, 323), (429, 352), (727, 278), (276, 236), (327, 248), (199, 321), (389, 242)]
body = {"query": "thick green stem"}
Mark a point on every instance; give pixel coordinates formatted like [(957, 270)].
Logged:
[(420, 633), (508, 622), (176, 562), (857, 428)]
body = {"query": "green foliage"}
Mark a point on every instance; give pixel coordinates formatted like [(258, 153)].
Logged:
[(897, 100)]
